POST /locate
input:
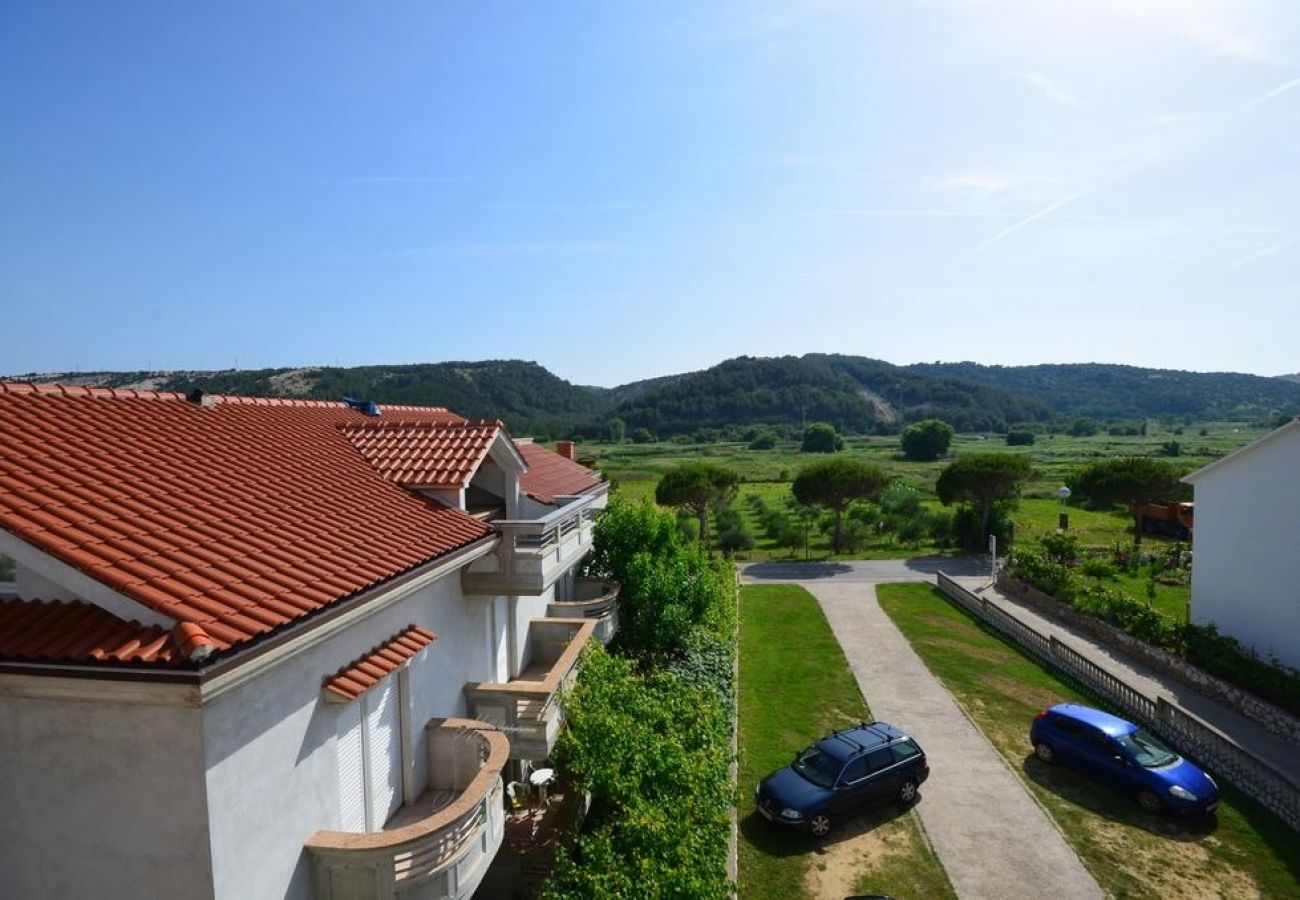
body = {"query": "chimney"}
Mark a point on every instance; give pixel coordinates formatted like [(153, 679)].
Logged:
[(567, 449)]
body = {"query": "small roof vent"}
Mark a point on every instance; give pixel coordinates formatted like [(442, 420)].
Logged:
[(365, 407)]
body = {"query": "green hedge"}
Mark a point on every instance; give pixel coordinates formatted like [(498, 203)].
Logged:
[(1202, 645), (649, 724)]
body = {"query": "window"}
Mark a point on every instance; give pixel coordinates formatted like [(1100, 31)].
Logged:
[(370, 757), (879, 759), (905, 750), (856, 770)]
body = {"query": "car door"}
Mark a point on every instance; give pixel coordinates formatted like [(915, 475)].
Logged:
[(852, 786), (1102, 758), (884, 773)]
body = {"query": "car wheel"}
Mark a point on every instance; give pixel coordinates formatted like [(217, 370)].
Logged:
[(820, 825), (907, 792), (1150, 801), (1044, 751)]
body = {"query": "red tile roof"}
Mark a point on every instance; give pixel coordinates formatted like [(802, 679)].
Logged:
[(239, 515), (551, 475), (425, 454), (76, 631), (355, 679)]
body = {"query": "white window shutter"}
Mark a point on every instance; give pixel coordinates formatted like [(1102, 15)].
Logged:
[(352, 791), (384, 751)]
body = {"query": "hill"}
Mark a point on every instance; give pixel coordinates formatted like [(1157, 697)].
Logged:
[(525, 395), (853, 393), (1126, 392)]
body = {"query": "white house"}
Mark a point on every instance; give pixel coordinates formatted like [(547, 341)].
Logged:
[(261, 648), (1246, 577)]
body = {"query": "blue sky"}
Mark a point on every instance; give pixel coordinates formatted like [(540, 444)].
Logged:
[(622, 190)]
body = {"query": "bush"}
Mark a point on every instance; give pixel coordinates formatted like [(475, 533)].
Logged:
[(819, 437), (763, 442), (1098, 568), (642, 436), (1019, 438), (1171, 448), (927, 440)]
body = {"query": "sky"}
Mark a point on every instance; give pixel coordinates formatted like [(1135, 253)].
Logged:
[(625, 190)]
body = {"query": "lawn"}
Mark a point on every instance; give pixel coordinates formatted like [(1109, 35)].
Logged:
[(1241, 852), (795, 686)]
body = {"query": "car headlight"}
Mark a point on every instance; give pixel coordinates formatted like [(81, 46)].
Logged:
[(792, 814), (1181, 793)]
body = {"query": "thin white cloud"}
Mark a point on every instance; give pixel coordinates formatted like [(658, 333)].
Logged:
[(1267, 251), (397, 179), (1049, 87), (1028, 220), (1269, 95)]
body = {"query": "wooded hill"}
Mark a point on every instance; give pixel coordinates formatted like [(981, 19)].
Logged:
[(854, 393), (1126, 392)]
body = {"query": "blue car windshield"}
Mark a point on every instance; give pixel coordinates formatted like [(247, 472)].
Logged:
[(1146, 750), (817, 767)]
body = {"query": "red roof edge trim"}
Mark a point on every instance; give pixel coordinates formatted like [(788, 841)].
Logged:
[(359, 676)]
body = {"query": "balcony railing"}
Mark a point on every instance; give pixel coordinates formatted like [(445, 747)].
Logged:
[(441, 845), (528, 708), (593, 598), (534, 553)]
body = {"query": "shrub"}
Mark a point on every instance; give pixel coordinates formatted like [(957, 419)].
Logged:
[(820, 437), (1019, 438), (1098, 568), (764, 441), (642, 436), (927, 440)]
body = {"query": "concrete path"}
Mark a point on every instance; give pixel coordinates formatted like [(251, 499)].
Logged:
[(992, 837), (1273, 749)]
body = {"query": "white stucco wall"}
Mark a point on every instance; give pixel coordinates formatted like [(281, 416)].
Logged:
[(1246, 570), (271, 743), (102, 800)]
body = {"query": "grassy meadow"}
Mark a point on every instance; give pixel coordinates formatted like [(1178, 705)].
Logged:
[(634, 469)]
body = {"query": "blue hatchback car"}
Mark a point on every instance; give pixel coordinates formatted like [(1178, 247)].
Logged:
[(1123, 755), (843, 772)]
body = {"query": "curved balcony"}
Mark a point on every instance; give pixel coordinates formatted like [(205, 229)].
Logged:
[(593, 598), (441, 845)]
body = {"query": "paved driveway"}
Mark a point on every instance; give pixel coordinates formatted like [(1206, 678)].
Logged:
[(993, 839)]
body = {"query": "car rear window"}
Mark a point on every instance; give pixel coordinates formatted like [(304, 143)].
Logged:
[(905, 750)]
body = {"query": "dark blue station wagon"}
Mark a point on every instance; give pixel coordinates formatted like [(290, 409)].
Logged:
[(842, 773)]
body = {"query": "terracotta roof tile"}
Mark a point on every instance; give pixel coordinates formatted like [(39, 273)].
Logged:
[(551, 475), (425, 454), (235, 515), (359, 676), (79, 632)]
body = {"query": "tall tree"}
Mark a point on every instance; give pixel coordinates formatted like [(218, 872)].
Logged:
[(835, 483), (927, 440), (1133, 480), (982, 479), (697, 486)]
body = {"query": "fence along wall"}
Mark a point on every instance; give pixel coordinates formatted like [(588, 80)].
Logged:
[(1197, 740)]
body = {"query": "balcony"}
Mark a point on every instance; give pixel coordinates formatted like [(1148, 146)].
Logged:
[(534, 553), (593, 598), (528, 708), (439, 846)]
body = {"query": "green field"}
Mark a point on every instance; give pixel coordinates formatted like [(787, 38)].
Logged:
[(1243, 851), (795, 686), (634, 469)]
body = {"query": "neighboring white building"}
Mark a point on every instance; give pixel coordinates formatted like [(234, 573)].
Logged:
[(1246, 574), (275, 648)]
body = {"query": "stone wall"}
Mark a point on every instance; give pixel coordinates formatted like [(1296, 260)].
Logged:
[(1275, 719)]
